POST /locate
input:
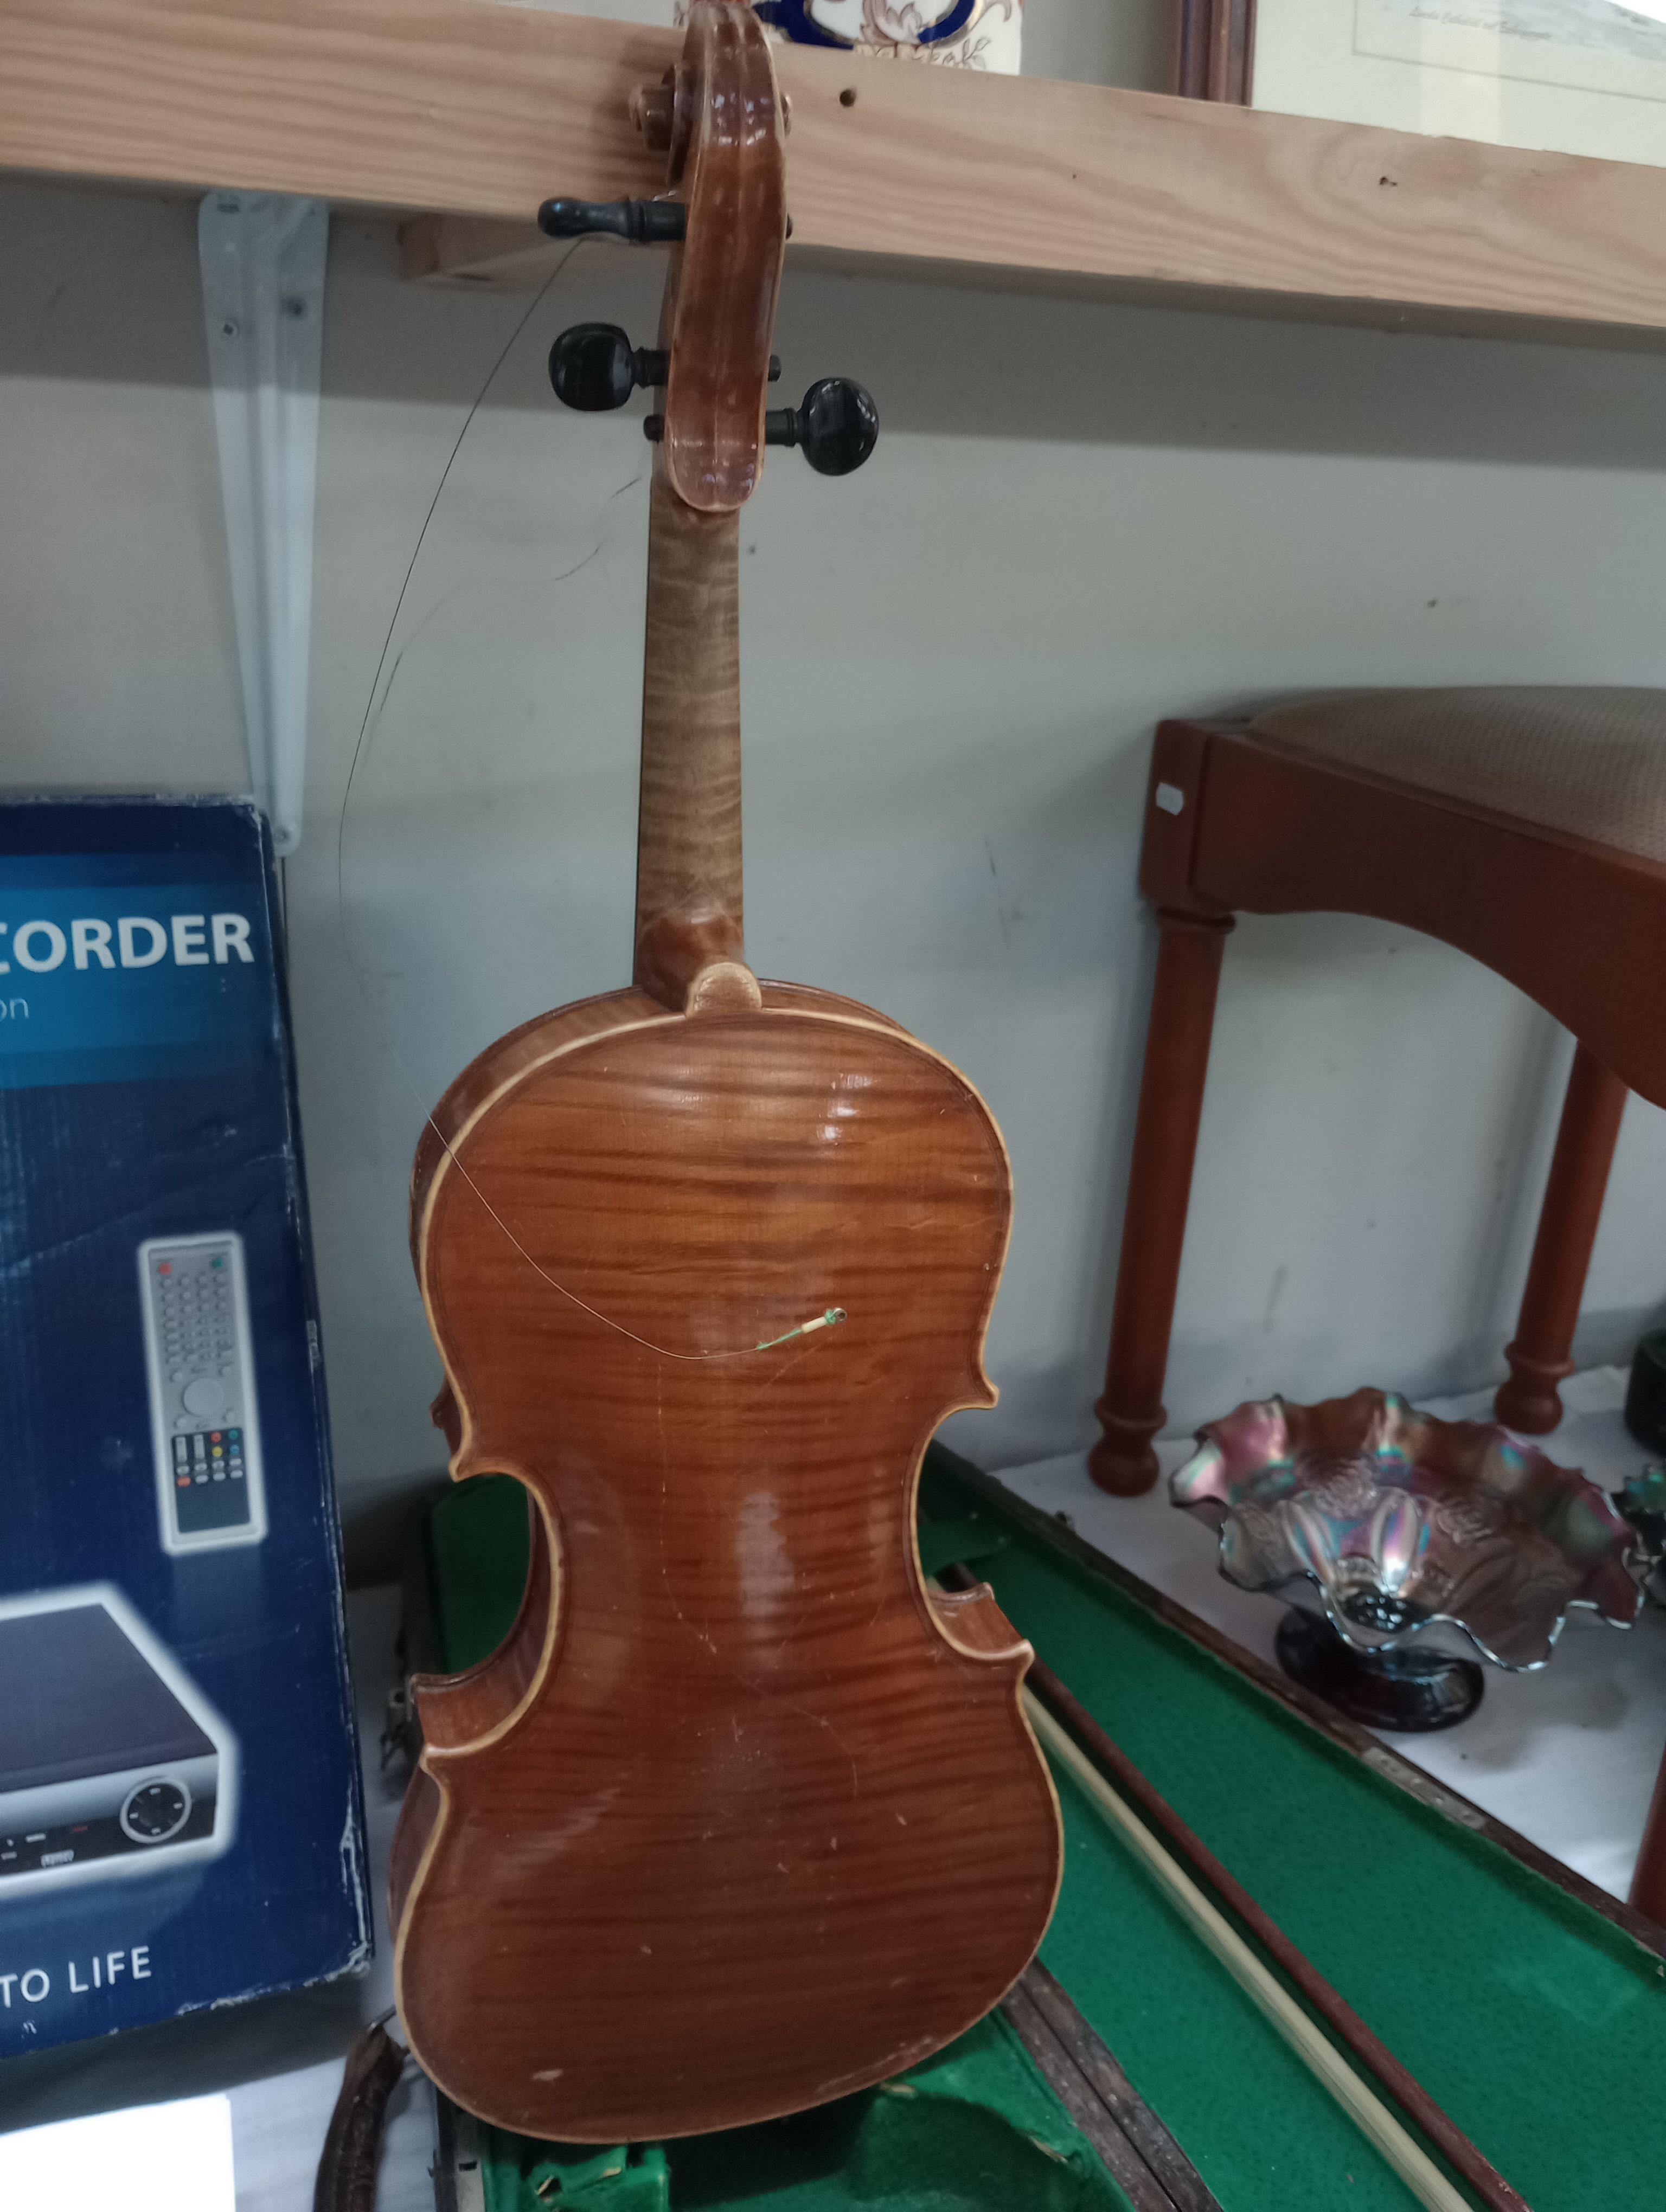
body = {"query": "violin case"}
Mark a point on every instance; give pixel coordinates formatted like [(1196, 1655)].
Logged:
[(1519, 1994)]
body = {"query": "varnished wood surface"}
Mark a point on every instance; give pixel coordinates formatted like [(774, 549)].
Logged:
[(1262, 828), (725, 162), (1541, 1355), (1578, 927), (689, 886), (1214, 49), (1130, 1411), (1648, 1890), (733, 1823), (701, 1843), (513, 1054), (475, 111)]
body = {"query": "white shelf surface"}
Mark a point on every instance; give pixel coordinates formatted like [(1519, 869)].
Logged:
[(1567, 1756)]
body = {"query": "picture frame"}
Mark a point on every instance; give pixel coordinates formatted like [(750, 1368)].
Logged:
[(1566, 77)]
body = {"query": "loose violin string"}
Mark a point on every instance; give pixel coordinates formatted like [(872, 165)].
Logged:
[(375, 704)]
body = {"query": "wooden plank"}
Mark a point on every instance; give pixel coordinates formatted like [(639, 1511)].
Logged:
[(458, 108)]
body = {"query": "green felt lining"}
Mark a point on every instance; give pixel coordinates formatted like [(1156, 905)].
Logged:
[(976, 2128), (1538, 2024)]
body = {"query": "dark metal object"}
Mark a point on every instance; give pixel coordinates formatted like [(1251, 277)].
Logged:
[(1645, 1394), (837, 426), (1412, 1690), (594, 368), (353, 2146), (459, 2181), (1138, 2151), (1367, 2050), (641, 222)]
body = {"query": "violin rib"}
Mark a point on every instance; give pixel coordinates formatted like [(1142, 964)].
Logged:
[(739, 1818)]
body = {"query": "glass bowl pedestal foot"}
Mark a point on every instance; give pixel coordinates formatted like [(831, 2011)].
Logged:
[(1411, 1689)]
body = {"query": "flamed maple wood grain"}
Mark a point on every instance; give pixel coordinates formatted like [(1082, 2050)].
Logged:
[(736, 1820), (737, 1815), (518, 1049), (724, 159), (690, 906)]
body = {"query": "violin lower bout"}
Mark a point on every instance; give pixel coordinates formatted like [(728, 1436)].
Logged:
[(737, 1820)]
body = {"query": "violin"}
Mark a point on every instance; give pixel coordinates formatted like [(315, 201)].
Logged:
[(743, 1814)]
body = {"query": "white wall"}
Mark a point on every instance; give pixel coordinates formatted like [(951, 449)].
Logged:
[(1079, 518)]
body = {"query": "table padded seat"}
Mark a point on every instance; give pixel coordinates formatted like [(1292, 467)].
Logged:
[(1587, 760)]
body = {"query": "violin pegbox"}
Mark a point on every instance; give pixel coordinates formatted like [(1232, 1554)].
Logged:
[(720, 119)]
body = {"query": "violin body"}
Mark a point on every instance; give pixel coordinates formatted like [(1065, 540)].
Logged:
[(739, 1817)]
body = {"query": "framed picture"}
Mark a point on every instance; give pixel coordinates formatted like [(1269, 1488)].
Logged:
[(1571, 77)]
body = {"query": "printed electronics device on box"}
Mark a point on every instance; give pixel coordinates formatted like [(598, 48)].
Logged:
[(180, 1814)]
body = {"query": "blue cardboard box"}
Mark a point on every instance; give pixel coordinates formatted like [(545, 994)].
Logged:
[(180, 1821)]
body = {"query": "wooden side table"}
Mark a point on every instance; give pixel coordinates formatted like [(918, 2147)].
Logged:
[(1527, 827)]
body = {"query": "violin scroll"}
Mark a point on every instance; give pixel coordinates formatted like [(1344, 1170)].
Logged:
[(720, 120)]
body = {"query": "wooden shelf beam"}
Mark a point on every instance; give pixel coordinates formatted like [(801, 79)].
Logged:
[(470, 113)]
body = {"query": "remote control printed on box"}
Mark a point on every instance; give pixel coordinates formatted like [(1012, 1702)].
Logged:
[(203, 1415)]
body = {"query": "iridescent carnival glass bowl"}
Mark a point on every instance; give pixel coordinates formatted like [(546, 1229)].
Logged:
[(1398, 1524)]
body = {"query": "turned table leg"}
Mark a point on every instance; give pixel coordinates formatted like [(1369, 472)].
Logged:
[(1540, 1357), (1649, 1880), (1160, 1186)]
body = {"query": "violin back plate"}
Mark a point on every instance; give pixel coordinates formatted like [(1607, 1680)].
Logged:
[(737, 1819)]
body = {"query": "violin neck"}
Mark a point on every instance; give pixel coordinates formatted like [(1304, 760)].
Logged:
[(689, 918)]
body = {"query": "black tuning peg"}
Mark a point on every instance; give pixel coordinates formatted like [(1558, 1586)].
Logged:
[(643, 222), (594, 367), (836, 424)]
